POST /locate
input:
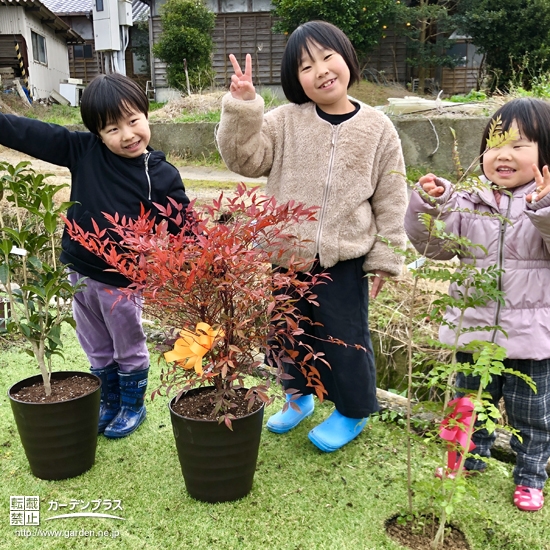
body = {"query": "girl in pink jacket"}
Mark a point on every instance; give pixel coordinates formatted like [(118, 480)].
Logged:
[(519, 190)]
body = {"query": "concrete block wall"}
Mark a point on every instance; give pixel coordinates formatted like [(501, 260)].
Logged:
[(427, 142), (186, 139)]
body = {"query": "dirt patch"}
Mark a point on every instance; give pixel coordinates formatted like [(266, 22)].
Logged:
[(195, 104), (200, 405), (62, 390), (202, 103), (377, 94), (419, 537)]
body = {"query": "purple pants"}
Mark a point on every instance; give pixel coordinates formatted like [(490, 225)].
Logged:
[(109, 334)]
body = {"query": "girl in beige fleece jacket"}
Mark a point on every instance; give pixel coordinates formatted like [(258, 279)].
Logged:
[(325, 149)]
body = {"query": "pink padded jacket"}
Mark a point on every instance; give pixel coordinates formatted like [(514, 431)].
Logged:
[(521, 248)]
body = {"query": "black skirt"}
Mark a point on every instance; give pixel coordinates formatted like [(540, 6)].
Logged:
[(343, 313)]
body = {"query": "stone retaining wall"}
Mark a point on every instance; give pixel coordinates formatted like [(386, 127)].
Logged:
[(427, 142)]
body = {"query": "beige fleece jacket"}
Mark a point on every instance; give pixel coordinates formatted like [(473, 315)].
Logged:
[(353, 171)]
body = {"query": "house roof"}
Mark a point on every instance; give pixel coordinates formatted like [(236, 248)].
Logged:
[(66, 7), (43, 12), (140, 8)]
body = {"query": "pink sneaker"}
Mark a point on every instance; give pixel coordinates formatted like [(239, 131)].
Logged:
[(528, 499)]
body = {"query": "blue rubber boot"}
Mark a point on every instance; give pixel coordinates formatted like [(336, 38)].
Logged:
[(283, 422), (132, 410), (336, 431), (110, 395)]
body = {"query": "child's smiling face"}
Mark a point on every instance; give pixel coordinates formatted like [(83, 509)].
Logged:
[(512, 164), (128, 136), (325, 76)]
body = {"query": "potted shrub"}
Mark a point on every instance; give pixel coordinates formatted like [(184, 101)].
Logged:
[(213, 282), (56, 413)]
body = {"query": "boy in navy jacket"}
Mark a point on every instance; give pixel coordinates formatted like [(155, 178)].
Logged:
[(113, 170)]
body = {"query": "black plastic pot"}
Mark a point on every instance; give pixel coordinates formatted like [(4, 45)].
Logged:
[(218, 464), (59, 439)]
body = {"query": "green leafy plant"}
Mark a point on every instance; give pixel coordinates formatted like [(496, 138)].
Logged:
[(362, 21), (426, 24), (63, 115), (33, 281), (472, 96), (271, 99), (186, 43), (213, 282), (505, 32), (540, 87)]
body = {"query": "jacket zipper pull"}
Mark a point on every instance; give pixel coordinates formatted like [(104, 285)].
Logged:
[(147, 154)]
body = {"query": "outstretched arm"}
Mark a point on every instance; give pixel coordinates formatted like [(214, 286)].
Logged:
[(49, 142)]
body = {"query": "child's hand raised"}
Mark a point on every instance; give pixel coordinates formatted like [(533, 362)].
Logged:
[(431, 185), (543, 184), (241, 83)]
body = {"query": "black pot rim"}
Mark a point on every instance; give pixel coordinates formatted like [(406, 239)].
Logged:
[(25, 382), (206, 420)]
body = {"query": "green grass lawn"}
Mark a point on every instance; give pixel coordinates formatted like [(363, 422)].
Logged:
[(302, 499)]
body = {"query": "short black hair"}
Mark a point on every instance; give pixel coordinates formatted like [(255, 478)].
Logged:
[(109, 97), (533, 119), (326, 35)]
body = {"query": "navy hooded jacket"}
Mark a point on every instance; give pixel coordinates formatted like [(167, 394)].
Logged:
[(101, 182)]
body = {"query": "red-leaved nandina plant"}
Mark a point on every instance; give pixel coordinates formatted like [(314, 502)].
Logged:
[(213, 281)]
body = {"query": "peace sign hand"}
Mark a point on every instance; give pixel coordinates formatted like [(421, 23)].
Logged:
[(241, 83), (543, 184)]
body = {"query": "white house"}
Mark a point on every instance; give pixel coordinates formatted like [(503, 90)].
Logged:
[(41, 59)]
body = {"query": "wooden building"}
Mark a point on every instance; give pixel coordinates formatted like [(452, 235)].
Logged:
[(245, 32), (244, 26), (387, 63), (468, 73)]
